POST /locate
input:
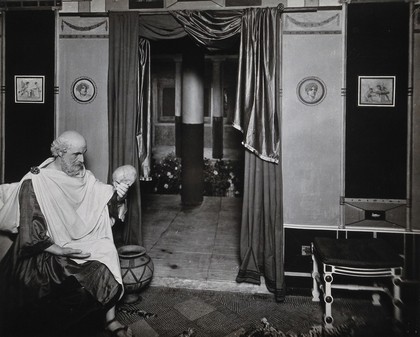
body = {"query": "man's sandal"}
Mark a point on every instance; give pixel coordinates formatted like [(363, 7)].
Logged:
[(117, 332)]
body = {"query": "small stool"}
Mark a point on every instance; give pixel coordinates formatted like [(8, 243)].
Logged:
[(365, 258)]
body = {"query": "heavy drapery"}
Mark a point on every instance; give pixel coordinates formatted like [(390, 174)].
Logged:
[(257, 114), (257, 108), (144, 124), (213, 30), (129, 110)]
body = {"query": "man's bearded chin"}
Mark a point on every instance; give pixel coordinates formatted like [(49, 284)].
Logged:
[(72, 169)]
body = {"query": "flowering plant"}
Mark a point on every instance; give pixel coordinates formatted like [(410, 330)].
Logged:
[(166, 175), (221, 177)]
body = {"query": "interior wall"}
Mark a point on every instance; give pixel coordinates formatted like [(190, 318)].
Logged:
[(83, 58), (312, 133)]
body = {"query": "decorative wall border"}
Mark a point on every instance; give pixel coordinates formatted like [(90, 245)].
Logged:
[(375, 213), (85, 28), (67, 36), (313, 32), (306, 24), (196, 4), (158, 5), (310, 23), (220, 3)]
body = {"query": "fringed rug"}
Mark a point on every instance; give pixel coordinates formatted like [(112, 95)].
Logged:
[(167, 312)]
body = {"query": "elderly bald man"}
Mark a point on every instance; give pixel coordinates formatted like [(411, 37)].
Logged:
[(63, 262)]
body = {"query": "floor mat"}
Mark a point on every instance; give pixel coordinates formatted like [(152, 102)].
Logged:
[(170, 312)]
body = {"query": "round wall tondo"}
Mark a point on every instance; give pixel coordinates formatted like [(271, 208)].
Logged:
[(83, 90), (311, 90)]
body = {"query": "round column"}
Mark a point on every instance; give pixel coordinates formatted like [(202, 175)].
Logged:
[(192, 135), (178, 102), (217, 109)]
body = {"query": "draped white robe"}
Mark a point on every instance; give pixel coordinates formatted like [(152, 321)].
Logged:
[(76, 212)]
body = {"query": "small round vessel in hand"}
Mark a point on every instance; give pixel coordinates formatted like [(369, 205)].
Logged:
[(126, 174)]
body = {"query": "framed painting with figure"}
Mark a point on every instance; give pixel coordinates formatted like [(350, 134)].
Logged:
[(29, 89), (376, 91)]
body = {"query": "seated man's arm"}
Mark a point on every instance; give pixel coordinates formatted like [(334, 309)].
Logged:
[(117, 208), (33, 228), (118, 203), (33, 238)]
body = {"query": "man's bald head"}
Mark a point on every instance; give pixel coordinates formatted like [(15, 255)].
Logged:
[(68, 150), (66, 140)]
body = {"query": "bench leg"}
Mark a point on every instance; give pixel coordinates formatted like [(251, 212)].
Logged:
[(328, 299), (315, 278), (397, 302)]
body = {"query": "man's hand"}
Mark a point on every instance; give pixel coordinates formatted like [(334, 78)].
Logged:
[(121, 189), (67, 251), (75, 253)]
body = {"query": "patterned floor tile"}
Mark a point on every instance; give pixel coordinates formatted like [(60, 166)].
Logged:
[(143, 329), (194, 309)]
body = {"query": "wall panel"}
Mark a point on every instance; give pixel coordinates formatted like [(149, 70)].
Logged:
[(2, 128), (29, 127), (312, 133), (83, 57), (415, 185), (376, 135), (376, 131)]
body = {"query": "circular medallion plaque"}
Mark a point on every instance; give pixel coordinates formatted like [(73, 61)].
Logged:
[(311, 90), (83, 90)]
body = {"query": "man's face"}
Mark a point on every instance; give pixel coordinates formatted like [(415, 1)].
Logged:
[(72, 161)]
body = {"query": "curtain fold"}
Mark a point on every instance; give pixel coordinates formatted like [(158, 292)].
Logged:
[(262, 235), (214, 30), (144, 122), (257, 115), (160, 27), (123, 111), (258, 92)]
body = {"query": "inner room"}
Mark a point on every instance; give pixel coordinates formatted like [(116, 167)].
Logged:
[(254, 168)]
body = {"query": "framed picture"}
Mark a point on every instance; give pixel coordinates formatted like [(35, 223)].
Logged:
[(29, 89), (311, 90), (83, 90), (376, 91)]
